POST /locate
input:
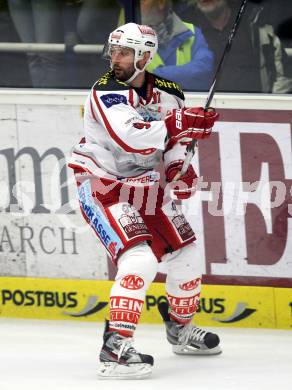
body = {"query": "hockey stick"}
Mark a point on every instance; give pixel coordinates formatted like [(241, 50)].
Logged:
[(193, 144)]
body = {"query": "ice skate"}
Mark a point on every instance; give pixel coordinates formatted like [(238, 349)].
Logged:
[(120, 360), (188, 339)]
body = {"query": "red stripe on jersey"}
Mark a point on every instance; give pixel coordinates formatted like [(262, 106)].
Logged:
[(77, 167), (112, 133), (92, 112), (131, 97)]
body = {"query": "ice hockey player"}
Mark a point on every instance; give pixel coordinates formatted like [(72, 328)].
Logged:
[(134, 121)]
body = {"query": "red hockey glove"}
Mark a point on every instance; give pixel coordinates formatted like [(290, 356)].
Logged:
[(186, 124), (185, 187)]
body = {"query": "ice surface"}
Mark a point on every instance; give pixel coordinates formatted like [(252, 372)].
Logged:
[(57, 355)]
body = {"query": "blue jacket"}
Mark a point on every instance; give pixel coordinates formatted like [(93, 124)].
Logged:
[(197, 74)]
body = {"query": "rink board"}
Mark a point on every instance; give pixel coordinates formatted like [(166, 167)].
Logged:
[(246, 171), (87, 300)]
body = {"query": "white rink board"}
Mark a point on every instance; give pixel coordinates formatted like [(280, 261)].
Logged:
[(38, 129), (42, 239)]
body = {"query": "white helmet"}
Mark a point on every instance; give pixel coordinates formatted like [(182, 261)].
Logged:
[(140, 38)]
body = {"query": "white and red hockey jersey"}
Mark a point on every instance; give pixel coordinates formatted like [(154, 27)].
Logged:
[(125, 132)]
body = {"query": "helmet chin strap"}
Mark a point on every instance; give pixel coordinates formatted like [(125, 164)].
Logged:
[(136, 71), (135, 74)]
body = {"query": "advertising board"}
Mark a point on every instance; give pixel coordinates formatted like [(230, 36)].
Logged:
[(88, 300)]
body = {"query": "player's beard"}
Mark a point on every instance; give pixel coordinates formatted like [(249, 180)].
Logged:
[(123, 74)]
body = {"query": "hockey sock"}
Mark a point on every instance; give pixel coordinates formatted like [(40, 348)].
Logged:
[(183, 285), (137, 268)]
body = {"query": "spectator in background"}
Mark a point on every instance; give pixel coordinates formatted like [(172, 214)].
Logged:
[(40, 21), (95, 20), (279, 11), (183, 54), (13, 66), (257, 61)]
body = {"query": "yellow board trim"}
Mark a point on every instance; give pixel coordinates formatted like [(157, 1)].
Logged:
[(87, 300)]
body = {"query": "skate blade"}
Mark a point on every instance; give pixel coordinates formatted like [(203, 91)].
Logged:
[(189, 350), (111, 370)]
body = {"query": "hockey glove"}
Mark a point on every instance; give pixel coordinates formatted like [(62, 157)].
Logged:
[(186, 186), (186, 124)]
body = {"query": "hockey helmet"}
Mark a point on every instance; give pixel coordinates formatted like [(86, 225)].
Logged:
[(140, 38)]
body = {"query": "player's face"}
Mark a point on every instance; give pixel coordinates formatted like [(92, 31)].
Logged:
[(209, 6), (122, 61)]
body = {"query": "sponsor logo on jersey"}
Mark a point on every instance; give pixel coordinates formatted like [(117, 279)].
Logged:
[(132, 282), (98, 220), (191, 285), (141, 125), (125, 309), (187, 305), (183, 227), (151, 178), (161, 83), (112, 99), (125, 303), (183, 309), (130, 220)]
